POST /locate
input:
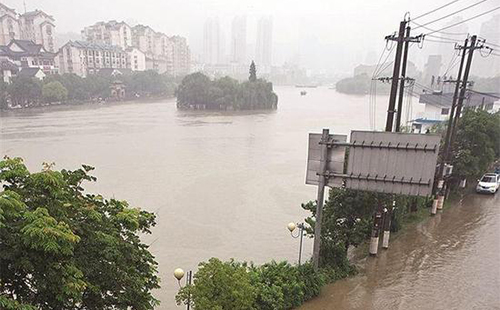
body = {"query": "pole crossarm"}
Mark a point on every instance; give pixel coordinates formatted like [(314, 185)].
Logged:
[(377, 178), (399, 146), (416, 39)]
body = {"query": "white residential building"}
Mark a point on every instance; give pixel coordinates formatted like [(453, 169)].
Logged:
[(111, 33), (36, 26), (9, 25), (136, 60), (83, 58), (146, 49)]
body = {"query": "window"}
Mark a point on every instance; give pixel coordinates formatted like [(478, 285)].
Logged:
[(445, 111)]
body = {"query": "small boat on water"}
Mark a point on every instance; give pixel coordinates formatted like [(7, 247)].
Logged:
[(306, 86), (303, 93)]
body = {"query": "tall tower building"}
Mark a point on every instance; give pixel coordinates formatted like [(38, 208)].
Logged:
[(212, 47), (264, 46), (489, 66), (447, 50), (239, 40)]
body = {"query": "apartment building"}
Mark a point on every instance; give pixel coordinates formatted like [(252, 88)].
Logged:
[(36, 26), (110, 33), (146, 48), (85, 58)]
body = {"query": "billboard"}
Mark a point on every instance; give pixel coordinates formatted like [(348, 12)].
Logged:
[(389, 162)]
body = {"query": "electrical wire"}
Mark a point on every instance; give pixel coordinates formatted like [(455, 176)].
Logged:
[(436, 9), (451, 14), (463, 21), (446, 33)]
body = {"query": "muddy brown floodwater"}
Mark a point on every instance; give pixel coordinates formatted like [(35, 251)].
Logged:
[(451, 261)]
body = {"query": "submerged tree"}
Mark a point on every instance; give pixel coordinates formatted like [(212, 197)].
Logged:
[(253, 72), (63, 249)]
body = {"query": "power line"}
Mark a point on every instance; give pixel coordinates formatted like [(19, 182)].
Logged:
[(447, 33), (451, 14), (466, 20), (436, 9)]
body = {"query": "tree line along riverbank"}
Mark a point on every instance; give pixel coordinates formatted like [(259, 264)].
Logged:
[(25, 92)]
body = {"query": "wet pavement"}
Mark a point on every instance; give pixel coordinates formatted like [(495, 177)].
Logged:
[(451, 261)]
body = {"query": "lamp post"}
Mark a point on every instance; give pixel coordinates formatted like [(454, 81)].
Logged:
[(179, 274), (291, 227)]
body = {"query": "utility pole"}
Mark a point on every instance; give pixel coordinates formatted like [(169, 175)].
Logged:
[(454, 119), (321, 198), (445, 157), (407, 40), (395, 75), (464, 87)]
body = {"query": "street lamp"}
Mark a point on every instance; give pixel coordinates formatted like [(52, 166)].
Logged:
[(291, 227), (179, 274)]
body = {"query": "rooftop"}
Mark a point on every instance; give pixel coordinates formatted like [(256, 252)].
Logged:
[(95, 46)]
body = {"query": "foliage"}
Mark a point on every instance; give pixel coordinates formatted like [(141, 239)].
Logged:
[(477, 143), (219, 286), (70, 88), (149, 83), (4, 103), (198, 91), (347, 218), (233, 285), (54, 92), (359, 85), (253, 72), (63, 249), (24, 91)]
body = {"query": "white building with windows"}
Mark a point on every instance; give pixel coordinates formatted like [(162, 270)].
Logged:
[(84, 58), (136, 60), (28, 54), (110, 33), (36, 26)]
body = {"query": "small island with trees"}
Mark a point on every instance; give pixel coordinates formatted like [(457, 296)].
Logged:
[(198, 91)]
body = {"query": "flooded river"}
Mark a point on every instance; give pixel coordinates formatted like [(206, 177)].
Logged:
[(451, 261), (226, 184)]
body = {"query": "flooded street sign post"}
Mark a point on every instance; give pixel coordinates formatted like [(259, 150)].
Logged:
[(383, 162), (324, 157)]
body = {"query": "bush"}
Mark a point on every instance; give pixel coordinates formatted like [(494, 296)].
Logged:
[(232, 285), (54, 92), (279, 286), (219, 285)]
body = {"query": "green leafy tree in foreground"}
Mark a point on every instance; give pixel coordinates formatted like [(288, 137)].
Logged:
[(54, 92), (477, 143), (63, 249), (219, 286), (253, 72)]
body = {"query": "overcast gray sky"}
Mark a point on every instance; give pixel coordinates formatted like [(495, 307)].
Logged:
[(330, 32)]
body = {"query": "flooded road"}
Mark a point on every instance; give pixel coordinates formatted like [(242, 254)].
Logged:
[(222, 184), (452, 261)]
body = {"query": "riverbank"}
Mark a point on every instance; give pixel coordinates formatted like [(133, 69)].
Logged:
[(433, 255), (84, 105)]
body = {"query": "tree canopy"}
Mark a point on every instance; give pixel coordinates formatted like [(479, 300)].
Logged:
[(61, 248), (54, 92), (199, 92), (477, 143), (253, 72)]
